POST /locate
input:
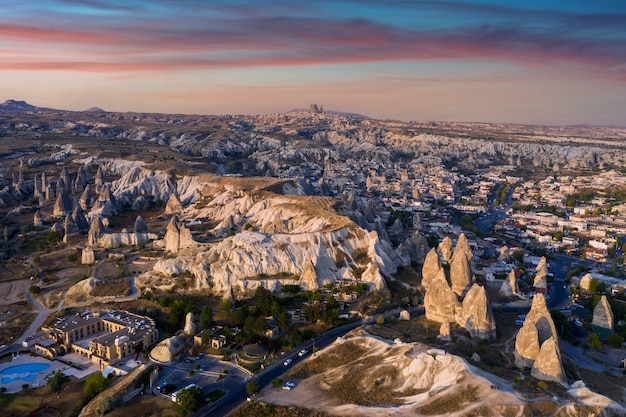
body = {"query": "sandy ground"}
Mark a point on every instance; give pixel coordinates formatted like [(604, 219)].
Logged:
[(13, 291)]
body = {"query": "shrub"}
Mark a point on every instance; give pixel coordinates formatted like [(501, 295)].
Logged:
[(542, 385), (34, 289)]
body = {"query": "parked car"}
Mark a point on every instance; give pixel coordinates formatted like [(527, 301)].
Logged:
[(288, 362), (199, 356), (303, 352), (289, 385), (167, 389)]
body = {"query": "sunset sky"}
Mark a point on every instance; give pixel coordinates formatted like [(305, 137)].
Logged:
[(533, 61)]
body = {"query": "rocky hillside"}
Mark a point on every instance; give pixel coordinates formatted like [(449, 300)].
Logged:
[(262, 236)]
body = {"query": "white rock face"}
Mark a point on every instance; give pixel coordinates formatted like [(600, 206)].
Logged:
[(548, 365), (88, 257), (431, 268), (168, 349), (603, 315), (177, 236), (190, 325), (440, 302), (445, 248), (526, 345), (288, 235), (509, 285), (476, 316), (173, 205), (460, 274)]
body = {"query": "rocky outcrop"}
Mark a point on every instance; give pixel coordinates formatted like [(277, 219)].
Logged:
[(526, 345), (509, 285), (461, 275), (540, 316), (444, 331), (37, 219), (440, 302), (413, 250), (536, 344), (603, 315), (140, 225), (173, 205), (431, 268), (476, 316), (63, 204), (308, 278), (463, 247), (445, 249), (87, 198), (396, 227), (140, 203), (177, 236), (88, 256), (80, 220), (70, 228), (169, 349), (190, 325), (540, 283), (417, 222), (548, 365), (96, 230)]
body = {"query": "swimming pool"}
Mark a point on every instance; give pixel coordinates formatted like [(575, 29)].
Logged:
[(24, 372)]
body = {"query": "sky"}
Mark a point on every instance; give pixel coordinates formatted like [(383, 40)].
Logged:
[(533, 61)]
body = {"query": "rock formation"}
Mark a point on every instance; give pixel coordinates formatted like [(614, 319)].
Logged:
[(404, 315), (190, 325), (88, 256), (70, 228), (140, 225), (396, 228), (463, 247), (431, 268), (475, 314), (87, 198), (603, 315), (536, 344), (526, 345), (540, 282), (173, 205), (460, 273), (445, 248), (444, 331), (509, 285), (63, 204), (167, 350), (308, 278), (177, 236), (38, 219), (417, 222), (440, 302), (95, 232), (140, 203), (79, 219), (548, 365), (414, 249)]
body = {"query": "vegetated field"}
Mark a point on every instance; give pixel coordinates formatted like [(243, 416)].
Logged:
[(14, 320), (26, 401)]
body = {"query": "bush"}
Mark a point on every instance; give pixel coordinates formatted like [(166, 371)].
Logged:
[(35, 290), (542, 385), (594, 341), (277, 382), (190, 400), (72, 257), (95, 384), (252, 387), (615, 340)]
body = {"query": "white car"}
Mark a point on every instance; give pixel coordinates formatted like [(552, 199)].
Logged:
[(303, 352), (289, 385), (288, 362)]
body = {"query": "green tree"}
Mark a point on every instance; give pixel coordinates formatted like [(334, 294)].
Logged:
[(206, 318), (57, 380), (226, 306), (594, 341), (190, 400), (563, 326), (252, 387), (95, 384), (240, 315), (615, 340), (277, 382), (34, 289)]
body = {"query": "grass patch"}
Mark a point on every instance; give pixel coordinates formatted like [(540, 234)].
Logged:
[(451, 403), (339, 355)]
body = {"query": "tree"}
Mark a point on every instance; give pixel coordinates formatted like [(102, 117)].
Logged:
[(226, 306), (206, 318), (34, 289), (190, 400), (594, 341), (615, 340), (277, 382), (563, 326), (380, 320), (252, 387), (57, 380), (95, 384), (240, 315)]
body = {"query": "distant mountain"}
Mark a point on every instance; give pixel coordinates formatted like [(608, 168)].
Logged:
[(94, 110), (15, 106)]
